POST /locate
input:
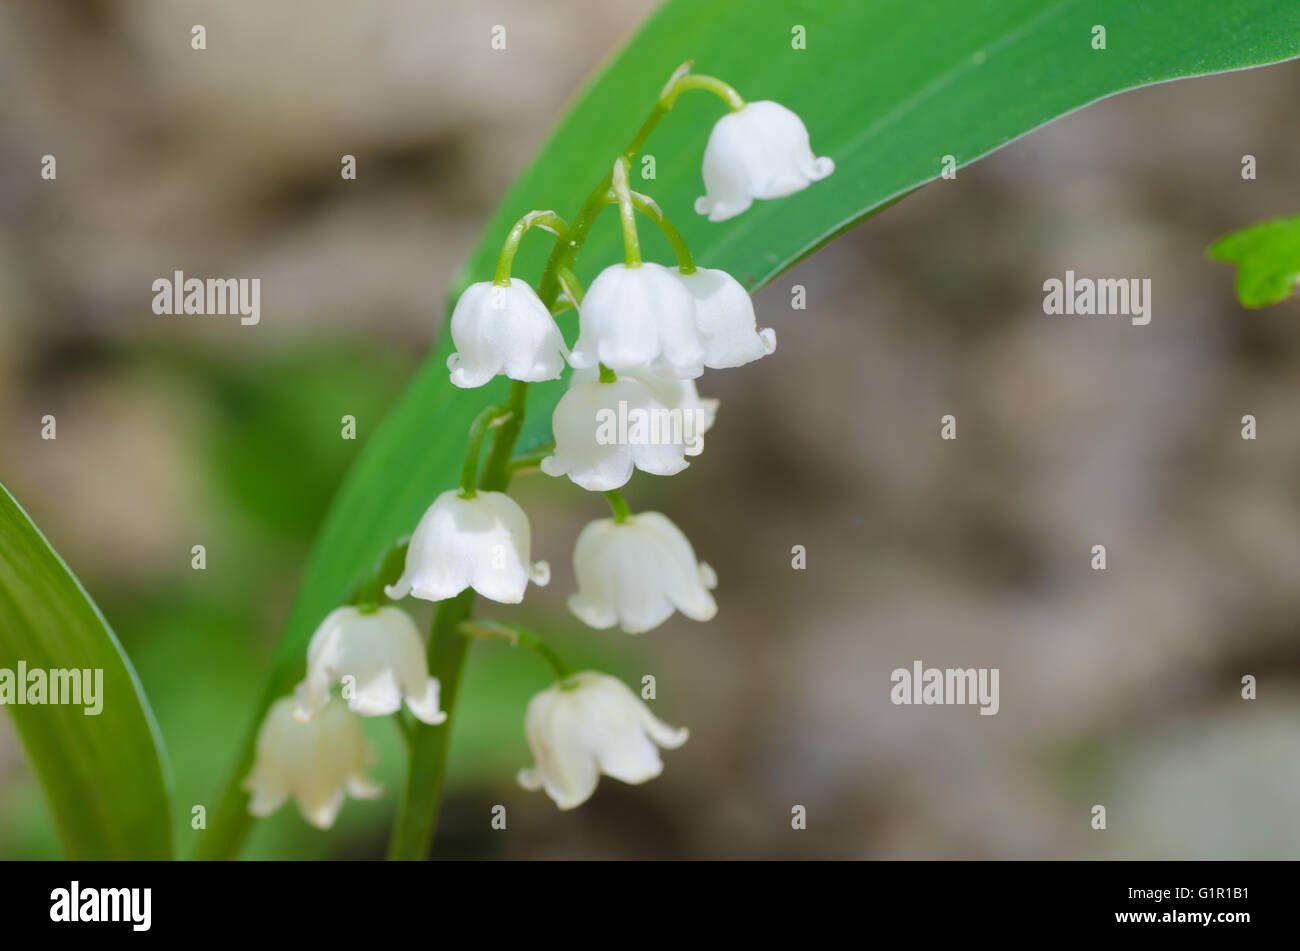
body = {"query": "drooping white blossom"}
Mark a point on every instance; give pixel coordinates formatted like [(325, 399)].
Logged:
[(724, 318), (639, 316), (318, 763), (503, 329), (760, 151), (588, 724), (379, 658), (635, 573), (603, 431), (481, 543)]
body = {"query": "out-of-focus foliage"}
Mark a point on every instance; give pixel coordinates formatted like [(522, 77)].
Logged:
[(1267, 256)]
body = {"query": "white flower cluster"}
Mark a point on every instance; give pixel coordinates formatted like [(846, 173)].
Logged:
[(646, 332), (311, 746)]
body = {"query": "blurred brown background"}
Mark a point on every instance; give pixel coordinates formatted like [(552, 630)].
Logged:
[(1119, 687)]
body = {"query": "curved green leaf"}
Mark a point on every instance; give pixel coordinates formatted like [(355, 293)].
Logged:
[(886, 89), (103, 774)]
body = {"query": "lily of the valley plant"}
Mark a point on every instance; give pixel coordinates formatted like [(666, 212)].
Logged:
[(645, 332)]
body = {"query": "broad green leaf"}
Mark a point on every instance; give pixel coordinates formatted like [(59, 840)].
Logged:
[(103, 774), (887, 89), (1267, 256)]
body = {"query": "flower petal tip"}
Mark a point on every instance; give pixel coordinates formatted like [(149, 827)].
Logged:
[(541, 573)]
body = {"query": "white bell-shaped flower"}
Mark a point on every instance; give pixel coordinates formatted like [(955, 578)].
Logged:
[(318, 763), (724, 317), (379, 657), (680, 397), (760, 151), (481, 543), (605, 430), (638, 316), (635, 573), (588, 724), (500, 329)]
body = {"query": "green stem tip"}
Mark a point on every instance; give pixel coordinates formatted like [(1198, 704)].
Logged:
[(618, 505), (683, 80)]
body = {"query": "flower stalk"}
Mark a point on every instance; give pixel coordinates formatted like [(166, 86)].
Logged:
[(421, 799), (387, 569), (683, 80), (650, 208), (531, 460), (571, 286), (546, 220), (626, 211), (489, 418), (417, 809), (618, 505), (518, 637)]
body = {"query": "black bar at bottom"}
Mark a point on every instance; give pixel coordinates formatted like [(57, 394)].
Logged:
[(381, 903)]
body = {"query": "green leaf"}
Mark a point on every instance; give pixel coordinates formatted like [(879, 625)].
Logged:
[(886, 89), (103, 774), (1267, 256)]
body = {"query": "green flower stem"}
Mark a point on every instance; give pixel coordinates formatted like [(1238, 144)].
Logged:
[(619, 505), (417, 816), (566, 251), (417, 810), (518, 636), (496, 472), (490, 417), (546, 220), (626, 211), (683, 80), (650, 208), (388, 568), (571, 286), (403, 720), (527, 461)]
